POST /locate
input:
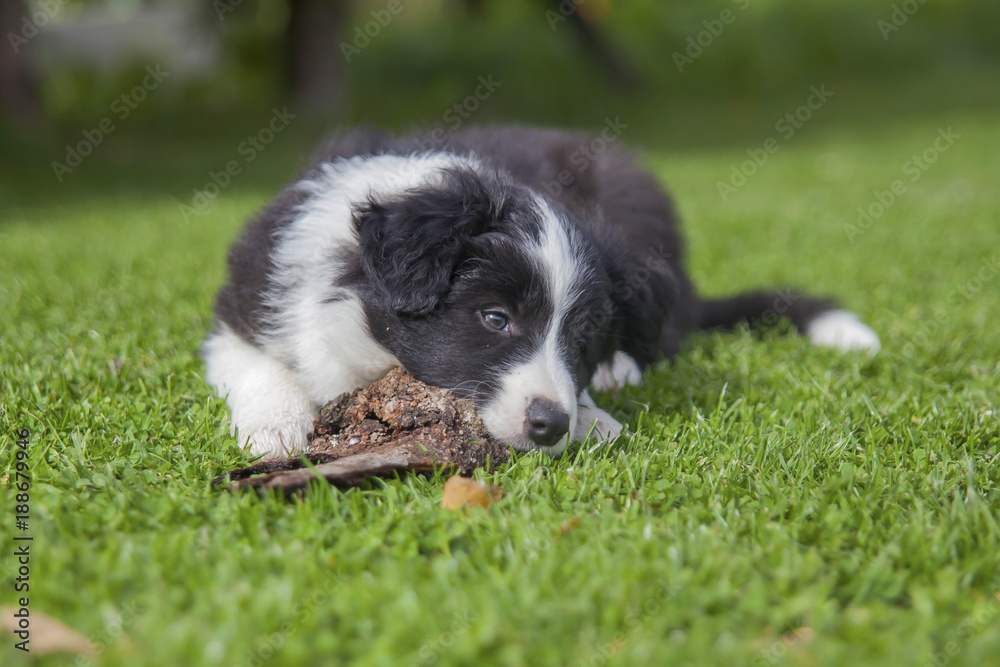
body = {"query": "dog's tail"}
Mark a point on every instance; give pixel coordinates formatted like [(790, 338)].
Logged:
[(815, 317)]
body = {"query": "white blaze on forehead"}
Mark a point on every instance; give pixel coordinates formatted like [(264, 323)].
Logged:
[(560, 263), (546, 374)]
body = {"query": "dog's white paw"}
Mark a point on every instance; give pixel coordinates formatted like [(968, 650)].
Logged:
[(276, 441), (271, 413), (591, 419), (843, 330), (620, 371)]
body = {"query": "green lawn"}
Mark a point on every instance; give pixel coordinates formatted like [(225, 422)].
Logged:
[(779, 504)]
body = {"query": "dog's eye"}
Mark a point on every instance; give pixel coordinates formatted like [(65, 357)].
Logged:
[(495, 320)]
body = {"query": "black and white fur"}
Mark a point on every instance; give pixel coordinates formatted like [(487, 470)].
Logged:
[(459, 259)]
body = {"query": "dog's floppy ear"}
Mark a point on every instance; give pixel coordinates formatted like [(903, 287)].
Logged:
[(645, 291), (412, 243)]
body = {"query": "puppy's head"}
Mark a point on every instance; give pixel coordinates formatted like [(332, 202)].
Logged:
[(482, 286)]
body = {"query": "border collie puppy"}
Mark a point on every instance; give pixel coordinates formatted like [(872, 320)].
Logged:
[(496, 263)]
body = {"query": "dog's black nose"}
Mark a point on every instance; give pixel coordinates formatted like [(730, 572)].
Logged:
[(546, 422)]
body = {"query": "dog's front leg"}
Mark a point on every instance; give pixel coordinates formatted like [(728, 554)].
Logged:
[(271, 414), (620, 371)]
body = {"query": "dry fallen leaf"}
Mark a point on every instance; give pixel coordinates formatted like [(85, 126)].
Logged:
[(47, 634), (465, 492)]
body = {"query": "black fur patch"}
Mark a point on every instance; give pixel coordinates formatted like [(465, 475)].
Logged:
[(412, 244), (241, 303)]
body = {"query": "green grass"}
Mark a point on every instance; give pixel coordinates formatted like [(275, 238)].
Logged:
[(778, 504)]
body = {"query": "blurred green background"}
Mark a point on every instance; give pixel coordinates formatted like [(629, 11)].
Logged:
[(816, 508), (682, 74), (429, 53)]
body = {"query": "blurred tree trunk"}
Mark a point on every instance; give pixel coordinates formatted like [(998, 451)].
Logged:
[(18, 92), (315, 64), (617, 69)]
